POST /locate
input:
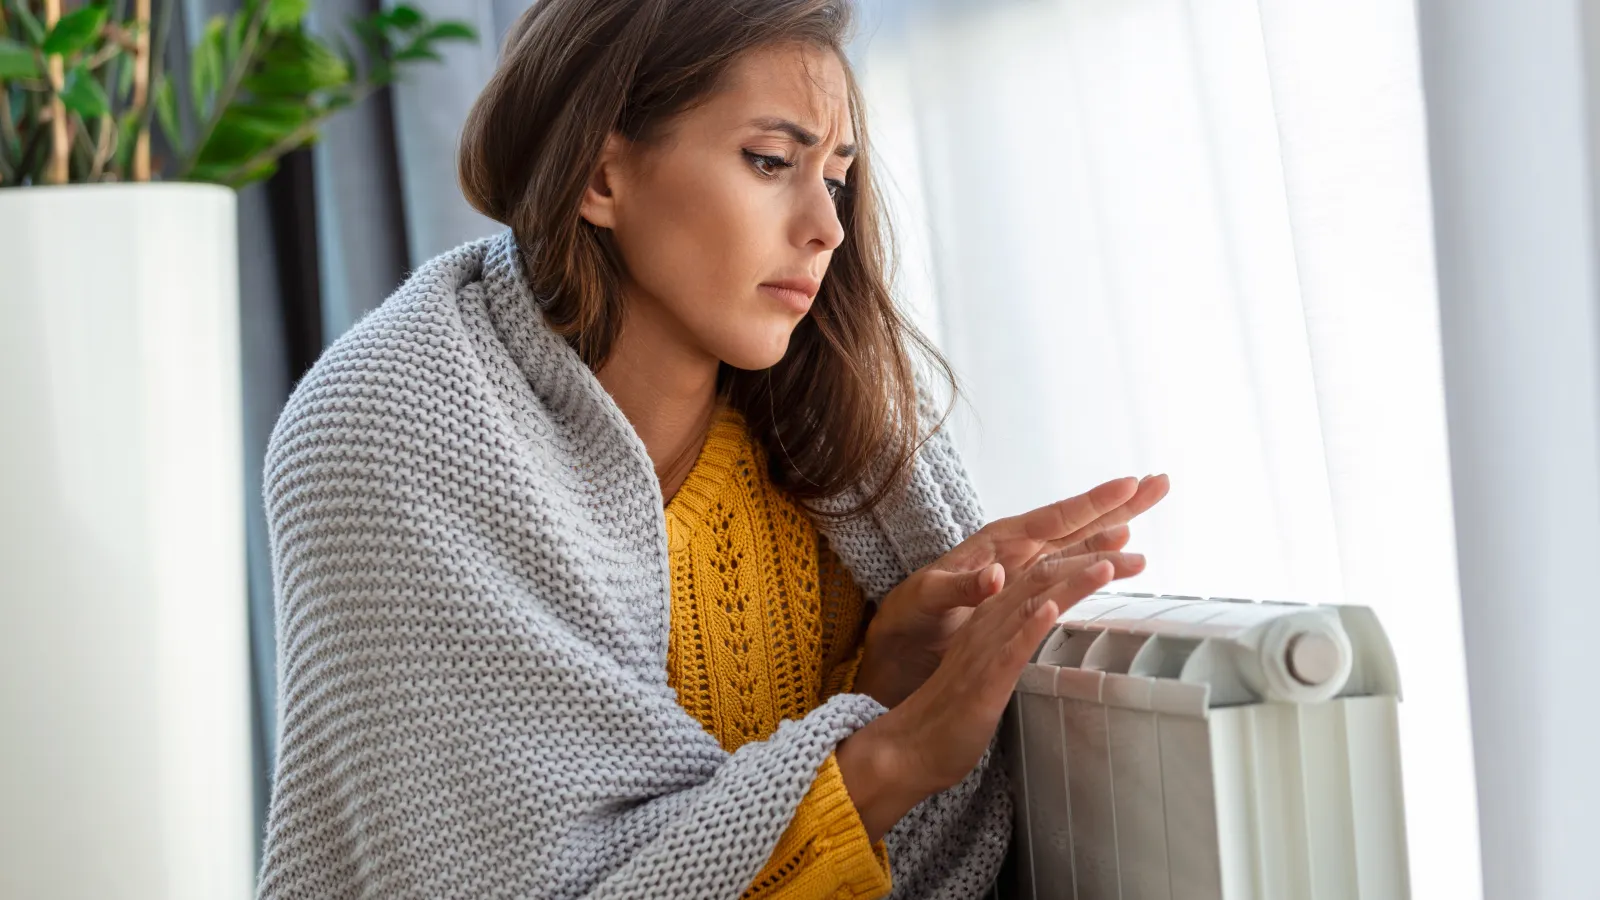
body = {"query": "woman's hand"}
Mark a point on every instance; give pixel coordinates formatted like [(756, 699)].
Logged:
[(914, 624), (934, 738), (1089, 522)]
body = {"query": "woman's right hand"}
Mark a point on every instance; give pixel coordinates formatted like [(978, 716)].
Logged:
[(914, 623), (933, 739)]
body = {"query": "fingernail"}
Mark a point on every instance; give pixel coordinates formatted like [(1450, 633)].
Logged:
[(1136, 559), (991, 577)]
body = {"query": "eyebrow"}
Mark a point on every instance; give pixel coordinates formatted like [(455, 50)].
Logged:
[(804, 137)]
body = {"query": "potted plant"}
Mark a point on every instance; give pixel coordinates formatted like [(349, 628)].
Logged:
[(123, 660)]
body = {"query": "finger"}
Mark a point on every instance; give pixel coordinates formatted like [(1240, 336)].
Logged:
[(1051, 572), (989, 580), (1031, 631), (1044, 578), (1126, 564), (952, 590), (1002, 656), (1114, 538), (981, 584), (1005, 640), (1063, 518), (1030, 624), (1151, 489), (1066, 593)]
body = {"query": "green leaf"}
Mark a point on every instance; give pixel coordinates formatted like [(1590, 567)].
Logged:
[(17, 60), (450, 31), (166, 105), (30, 24), (415, 52), (294, 65), (270, 122), (217, 174), (83, 94), (256, 131), (259, 173), (284, 14), (232, 174), (75, 30), (403, 17)]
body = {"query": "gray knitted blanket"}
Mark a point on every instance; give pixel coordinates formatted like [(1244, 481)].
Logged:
[(470, 567)]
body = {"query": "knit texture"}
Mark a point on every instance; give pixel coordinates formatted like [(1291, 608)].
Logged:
[(472, 586), (766, 625)]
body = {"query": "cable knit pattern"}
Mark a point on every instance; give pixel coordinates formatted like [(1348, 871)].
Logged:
[(766, 625), (472, 577)]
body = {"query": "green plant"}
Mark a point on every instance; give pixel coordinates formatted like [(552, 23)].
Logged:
[(81, 92)]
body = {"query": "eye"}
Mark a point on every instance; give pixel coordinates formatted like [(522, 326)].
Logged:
[(766, 164), (836, 188)]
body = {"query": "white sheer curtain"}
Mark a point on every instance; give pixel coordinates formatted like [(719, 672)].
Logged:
[(1195, 237)]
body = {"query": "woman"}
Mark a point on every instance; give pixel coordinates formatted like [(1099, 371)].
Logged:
[(621, 554)]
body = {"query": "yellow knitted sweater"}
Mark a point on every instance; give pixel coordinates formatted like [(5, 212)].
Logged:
[(766, 625)]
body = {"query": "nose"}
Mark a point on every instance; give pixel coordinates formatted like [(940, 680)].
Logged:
[(818, 226)]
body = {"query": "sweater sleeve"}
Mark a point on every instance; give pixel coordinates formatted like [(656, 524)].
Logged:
[(825, 851)]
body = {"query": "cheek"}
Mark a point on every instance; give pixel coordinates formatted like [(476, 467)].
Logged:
[(699, 241), (694, 242)]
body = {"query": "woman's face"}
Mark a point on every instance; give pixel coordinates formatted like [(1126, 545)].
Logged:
[(726, 224)]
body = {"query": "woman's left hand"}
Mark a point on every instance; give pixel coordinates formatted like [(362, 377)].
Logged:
[(913, 625)]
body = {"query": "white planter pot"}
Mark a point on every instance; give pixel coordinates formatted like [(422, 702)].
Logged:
[(124, 685)]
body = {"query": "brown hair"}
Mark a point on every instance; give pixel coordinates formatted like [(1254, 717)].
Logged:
[(840, 408)]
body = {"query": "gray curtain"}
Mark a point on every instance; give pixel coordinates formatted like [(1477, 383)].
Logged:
[(386, 191)]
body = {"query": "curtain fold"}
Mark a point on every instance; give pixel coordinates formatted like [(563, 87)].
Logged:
[(1514, 122), (1349, 102), (430, 107), (360, 213)]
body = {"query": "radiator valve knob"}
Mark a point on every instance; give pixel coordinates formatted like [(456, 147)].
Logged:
[(1313, 658)]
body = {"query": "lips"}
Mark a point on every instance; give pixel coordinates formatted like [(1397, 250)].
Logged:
[(805, 286), (795, 293)]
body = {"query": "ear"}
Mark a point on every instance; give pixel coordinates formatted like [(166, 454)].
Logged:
[(599, 204)]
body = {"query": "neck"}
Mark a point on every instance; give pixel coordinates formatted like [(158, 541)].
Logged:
[(666, 388)]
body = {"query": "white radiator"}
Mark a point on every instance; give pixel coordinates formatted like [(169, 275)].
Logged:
[(1175, 748)]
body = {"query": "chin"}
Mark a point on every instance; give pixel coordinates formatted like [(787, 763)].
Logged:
[(756, 351)]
